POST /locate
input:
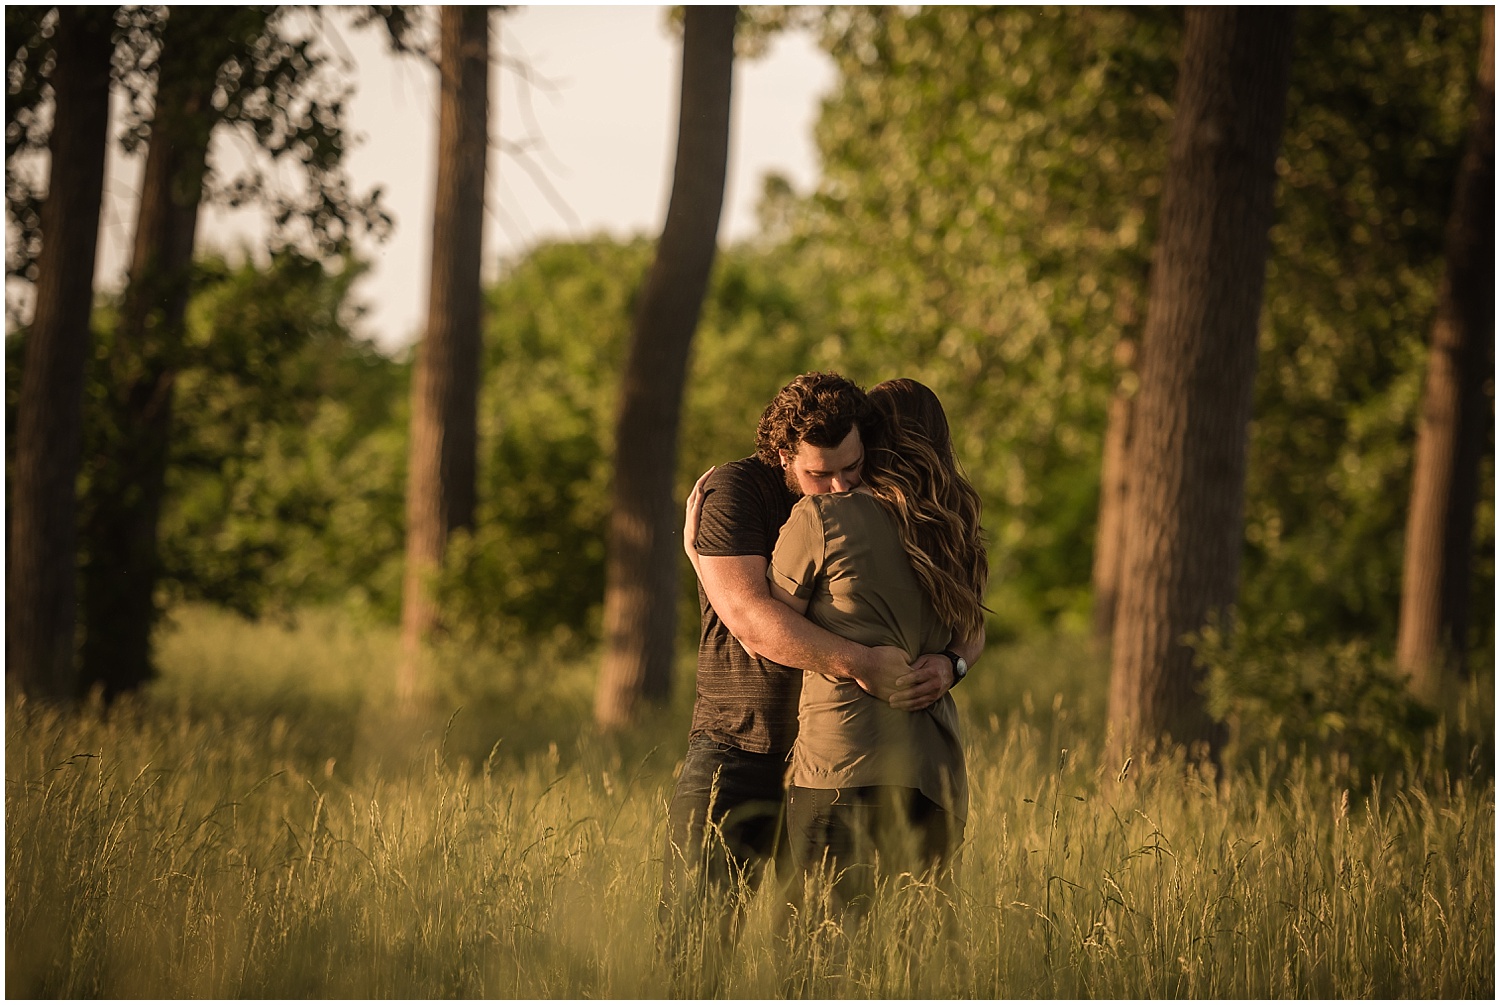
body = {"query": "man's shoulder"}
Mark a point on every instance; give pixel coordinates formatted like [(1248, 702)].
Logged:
[(746, 481), (746, 473), (745, 503)]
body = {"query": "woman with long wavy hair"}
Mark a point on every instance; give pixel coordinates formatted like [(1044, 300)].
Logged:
[(898, 561)]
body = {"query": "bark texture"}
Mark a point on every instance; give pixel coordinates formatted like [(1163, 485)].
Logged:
[(1187, 455), (128, 471), (445, 382), (41, 594), (1438, 559), (641, 578), (1114, 487)]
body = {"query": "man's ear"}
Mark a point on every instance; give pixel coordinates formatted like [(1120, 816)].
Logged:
[(785, 460)]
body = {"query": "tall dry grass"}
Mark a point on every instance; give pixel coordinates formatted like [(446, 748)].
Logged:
[(262, 824)]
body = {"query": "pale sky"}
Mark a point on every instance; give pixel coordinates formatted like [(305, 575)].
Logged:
[(603, 127)]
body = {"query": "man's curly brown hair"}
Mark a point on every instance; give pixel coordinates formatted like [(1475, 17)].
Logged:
[(816, 408)]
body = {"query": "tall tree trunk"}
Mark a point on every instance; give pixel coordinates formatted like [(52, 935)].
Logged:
[(1187, 456), (128, 470), (41, 593), (1114, 486), (1455, 410), (641, 578), (445, 381)]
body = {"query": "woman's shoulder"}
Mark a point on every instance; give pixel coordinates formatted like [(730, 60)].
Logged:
[(852, 500), (847, 509), (833, 504)]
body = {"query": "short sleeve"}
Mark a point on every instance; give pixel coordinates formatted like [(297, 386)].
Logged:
[(735, 519), (798, 558)]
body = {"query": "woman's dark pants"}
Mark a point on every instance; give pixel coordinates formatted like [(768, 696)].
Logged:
[(857, 832)]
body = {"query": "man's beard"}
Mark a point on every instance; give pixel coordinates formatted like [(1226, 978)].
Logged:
[(791, 482)]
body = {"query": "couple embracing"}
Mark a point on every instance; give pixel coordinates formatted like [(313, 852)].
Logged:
[(841, 576)]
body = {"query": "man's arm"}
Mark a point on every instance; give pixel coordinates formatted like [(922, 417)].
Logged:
[(741, 595)]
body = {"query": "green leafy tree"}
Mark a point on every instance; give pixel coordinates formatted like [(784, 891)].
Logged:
[(284, 482), (445, 380), (533, 567), (1457, 412), (1377, 111), (1279, 691), (984, 223), (40, 621), (641, 574), (203, 67), (556, 327), (1187, 455), (28, 29)]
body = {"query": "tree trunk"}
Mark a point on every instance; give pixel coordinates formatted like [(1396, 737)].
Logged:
[(40, 598), (128, 470), (1114, 485), (445, 381), (1187, 456), (1433, 634), (641, 579)]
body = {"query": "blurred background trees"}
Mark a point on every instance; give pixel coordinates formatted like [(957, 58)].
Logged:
[(1457, 412), (41, 533), (187, 72), (445, 381), (641, 576), (984, 222), (1185, 465)]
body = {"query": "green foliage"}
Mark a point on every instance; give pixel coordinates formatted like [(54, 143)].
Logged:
[(758, 331), (1278, 689), (282, 91), (557, 326), (1377, 113), (285, 485), (983, 224), (27, 30)]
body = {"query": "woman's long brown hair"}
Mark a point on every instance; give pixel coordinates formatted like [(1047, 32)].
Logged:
[(912, 471)]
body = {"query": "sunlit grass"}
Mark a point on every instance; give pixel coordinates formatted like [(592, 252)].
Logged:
[(262, 824)]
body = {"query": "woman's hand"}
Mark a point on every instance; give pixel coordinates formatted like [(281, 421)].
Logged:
[(691, 518)]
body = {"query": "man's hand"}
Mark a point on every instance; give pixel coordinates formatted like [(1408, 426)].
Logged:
[(884, 669), (927, 680)]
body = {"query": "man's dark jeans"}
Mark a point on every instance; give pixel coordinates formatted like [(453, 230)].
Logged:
[(726, 822)]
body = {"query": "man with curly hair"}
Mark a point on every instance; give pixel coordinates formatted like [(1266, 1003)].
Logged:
[(751, 648)]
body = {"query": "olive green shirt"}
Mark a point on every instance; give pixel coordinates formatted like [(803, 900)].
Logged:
[(843, 553)]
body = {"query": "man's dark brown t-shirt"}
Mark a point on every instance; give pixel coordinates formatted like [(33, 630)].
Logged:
[(746, 702)]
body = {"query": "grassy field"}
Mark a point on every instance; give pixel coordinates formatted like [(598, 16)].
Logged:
[(262, 824)]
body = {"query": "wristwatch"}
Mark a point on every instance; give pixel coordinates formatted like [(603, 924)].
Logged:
[(960, 666)]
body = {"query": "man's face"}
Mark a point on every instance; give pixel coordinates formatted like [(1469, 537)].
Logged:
[(814, 470)]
